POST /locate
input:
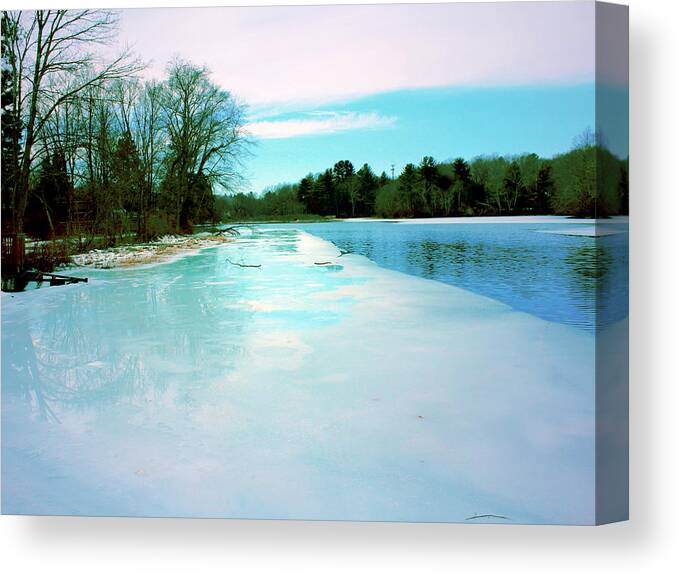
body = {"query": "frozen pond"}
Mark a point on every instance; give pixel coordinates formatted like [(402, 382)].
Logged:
[(296, 390), (548, 266)]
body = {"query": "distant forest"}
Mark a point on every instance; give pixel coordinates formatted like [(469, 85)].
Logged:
[(588, 181)]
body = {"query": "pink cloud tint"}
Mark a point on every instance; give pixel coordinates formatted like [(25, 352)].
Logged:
[(277, 55)]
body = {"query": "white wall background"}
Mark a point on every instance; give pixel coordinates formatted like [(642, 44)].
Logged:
[(646, 544)]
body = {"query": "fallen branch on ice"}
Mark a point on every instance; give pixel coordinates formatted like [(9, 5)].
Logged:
[(488, 516), (230, 231), (243, 265)]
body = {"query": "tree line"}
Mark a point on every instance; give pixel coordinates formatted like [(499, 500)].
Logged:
[(89, 148), (587, 181)]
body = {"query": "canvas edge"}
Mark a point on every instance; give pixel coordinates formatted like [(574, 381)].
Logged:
[(612, 341)]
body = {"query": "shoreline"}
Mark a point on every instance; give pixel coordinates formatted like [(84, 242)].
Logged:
[(516, 219), (168, 247), (163, 249), (294, 380)]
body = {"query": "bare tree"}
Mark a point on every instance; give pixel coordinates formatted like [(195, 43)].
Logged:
[(150, 143), (124, 93), (204, 126), (53, 62)]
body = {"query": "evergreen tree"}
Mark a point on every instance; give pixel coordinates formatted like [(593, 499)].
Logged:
[(324, 193), (623, 190), (48, 203), (304, 192), (343, 170), (367, 184), (428, 170), (344, 175), (126, 176), (462, 187), (462, 170), (543, 190), (407, 188)]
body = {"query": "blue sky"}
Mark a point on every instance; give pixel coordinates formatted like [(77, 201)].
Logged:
[(403, 126), (388, 84)]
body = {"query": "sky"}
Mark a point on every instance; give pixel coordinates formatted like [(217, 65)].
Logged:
[(386, 84)]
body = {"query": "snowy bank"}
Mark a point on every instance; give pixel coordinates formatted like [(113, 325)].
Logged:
[(163, 249)]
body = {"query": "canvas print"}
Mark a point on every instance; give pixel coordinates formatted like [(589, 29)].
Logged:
[(362, 262)]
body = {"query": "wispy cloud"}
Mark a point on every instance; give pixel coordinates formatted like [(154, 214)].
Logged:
[(319, 123)]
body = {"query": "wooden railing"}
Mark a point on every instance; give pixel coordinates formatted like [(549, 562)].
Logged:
[(13, 252)]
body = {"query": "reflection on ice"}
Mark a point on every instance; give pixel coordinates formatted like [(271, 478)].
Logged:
[(339, 391)]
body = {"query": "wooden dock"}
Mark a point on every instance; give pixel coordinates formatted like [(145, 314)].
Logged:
[(15, 274), (53, 279)]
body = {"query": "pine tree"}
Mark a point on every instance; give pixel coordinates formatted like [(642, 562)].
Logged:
[(543, 190), (304, 192), (324, 194), (407, 188), (366, 190), (344, 175), (428, 171)]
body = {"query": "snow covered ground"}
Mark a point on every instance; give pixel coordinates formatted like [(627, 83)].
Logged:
[(314, 386)]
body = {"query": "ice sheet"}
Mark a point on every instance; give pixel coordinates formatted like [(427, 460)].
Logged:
[(501, 220), (588, 231), (301, 389)]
